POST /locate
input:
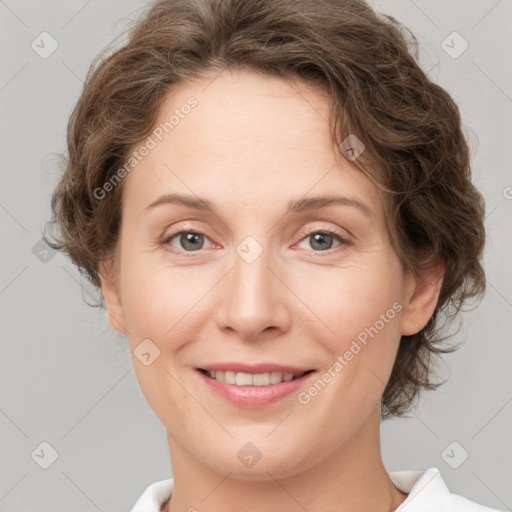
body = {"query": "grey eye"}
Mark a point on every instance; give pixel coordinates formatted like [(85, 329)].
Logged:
[(188, 240), (321, 241)]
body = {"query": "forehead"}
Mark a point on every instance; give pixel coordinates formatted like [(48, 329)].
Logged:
[(248, 139)]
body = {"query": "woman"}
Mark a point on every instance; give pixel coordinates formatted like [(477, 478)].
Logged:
[(210, 159)]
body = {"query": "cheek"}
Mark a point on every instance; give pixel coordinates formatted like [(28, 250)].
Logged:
[(359, 332), (158, 306), (156, 299), (345, 302)]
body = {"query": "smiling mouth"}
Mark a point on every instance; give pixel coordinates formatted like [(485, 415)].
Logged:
[(252, 379)]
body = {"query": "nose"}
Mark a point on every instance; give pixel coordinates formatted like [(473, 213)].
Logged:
[(253, 299)]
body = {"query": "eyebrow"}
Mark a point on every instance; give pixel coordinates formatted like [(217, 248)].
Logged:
[(294, 206)]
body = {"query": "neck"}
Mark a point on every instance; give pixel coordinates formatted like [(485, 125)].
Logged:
[(352, 477)]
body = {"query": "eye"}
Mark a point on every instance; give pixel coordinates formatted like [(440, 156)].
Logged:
[(189, 241), (323, 240), (192, 241)]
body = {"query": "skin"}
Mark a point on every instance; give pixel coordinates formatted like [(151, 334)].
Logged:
[(251, 145)]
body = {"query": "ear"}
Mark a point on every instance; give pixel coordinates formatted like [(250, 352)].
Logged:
[(421, 296), (110, 290)]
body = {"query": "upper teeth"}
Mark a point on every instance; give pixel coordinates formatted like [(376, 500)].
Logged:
[(252, 379)]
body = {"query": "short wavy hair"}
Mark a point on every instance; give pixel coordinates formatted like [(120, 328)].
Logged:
[(366, 62)]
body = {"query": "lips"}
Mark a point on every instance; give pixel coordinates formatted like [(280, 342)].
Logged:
[(253, 385)]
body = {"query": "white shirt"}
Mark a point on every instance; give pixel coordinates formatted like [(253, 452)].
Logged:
[(426, 491)]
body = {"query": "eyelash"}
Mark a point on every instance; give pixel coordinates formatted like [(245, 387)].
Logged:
[(337, 236)]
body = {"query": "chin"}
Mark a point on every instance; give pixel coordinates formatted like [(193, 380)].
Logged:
[(241, 467)]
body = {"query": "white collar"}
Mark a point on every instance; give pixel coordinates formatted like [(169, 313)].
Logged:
[(426, 492)]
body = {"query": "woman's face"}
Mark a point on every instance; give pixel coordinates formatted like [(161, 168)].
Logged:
[(260, 288)]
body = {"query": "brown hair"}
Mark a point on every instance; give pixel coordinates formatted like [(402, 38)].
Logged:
[(411, 128)]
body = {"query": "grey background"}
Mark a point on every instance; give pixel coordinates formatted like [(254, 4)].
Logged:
[(66, 377)]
